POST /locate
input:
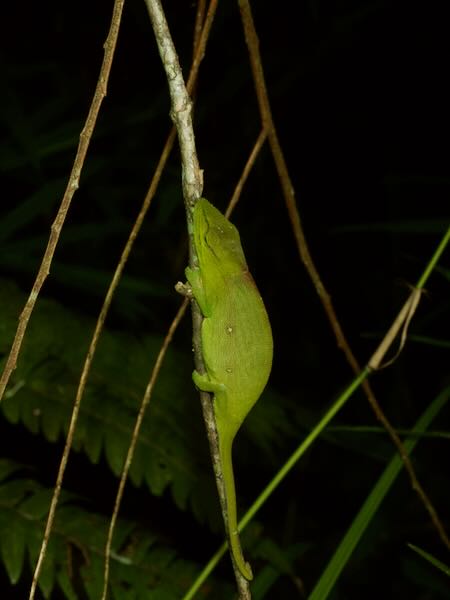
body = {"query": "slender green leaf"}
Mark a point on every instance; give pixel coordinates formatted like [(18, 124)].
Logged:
[(371, 505), (63, 580), (431, 559), (12, 545), (140, 566), (171, 450)]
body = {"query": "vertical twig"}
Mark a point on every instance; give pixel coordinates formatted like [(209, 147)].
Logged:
[(192, 181), (200, 43), (402, 319), (134, 438), (85, 137), (288, 191), (181, 105), (72, 186), (246, 172), (198, 27), (113, 285)]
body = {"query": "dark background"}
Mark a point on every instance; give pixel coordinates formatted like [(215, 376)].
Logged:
[(359, 96)]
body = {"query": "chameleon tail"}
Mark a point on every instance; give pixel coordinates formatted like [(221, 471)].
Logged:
[(225, 446)]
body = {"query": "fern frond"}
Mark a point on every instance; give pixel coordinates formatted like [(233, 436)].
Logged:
[(172, 449), (140, 566)]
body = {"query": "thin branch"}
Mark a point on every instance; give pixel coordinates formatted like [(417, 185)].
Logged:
[(181, 105), (199, 24), (107, 303), (72, 186), (134, 438), (200, 46), (288, 191), (195, 586), (192, 181), (310, 438), (94, 342), (85, 137), (109, 296), (246, 172)]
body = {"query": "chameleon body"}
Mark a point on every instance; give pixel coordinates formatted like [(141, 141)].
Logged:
[(236, 340)]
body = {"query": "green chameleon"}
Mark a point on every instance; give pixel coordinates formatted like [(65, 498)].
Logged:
[(236, 340)]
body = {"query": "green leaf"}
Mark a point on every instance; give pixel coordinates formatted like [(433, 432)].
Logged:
[(65, 584), (47, 575), (168, 448), (139, 568), (366, 513), (280, 562), (92, 575), (431, 559), (8, 468), (13, 492), (12, 541), (37, 505), (172, 449)]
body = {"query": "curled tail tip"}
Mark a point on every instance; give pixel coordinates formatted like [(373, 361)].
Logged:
[(243, 566), (245, 569), (248, 572)]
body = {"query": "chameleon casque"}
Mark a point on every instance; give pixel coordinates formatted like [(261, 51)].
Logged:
[(236, 339)]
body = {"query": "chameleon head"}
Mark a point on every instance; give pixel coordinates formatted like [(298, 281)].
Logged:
[(217, 237)]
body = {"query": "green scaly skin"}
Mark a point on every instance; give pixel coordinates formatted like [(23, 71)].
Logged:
[(236, 340)]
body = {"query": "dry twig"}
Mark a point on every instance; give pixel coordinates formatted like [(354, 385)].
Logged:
[(85, 138), (289, 196), (72, 186), (192, 182)]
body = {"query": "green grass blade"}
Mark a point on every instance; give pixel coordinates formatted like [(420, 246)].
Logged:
[(307, 442), (371, 505), (431, 559), (275, 482)]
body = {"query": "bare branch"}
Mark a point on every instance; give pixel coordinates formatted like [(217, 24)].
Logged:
[(85, 137), (246, 172), (72, 186), (134, 438), (192, 181), (289, 195)]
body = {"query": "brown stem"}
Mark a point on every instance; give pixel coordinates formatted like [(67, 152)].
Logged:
[(135, 435), (246, 172), (72, 186), (85, 138), (192, 181), (289, 196)]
